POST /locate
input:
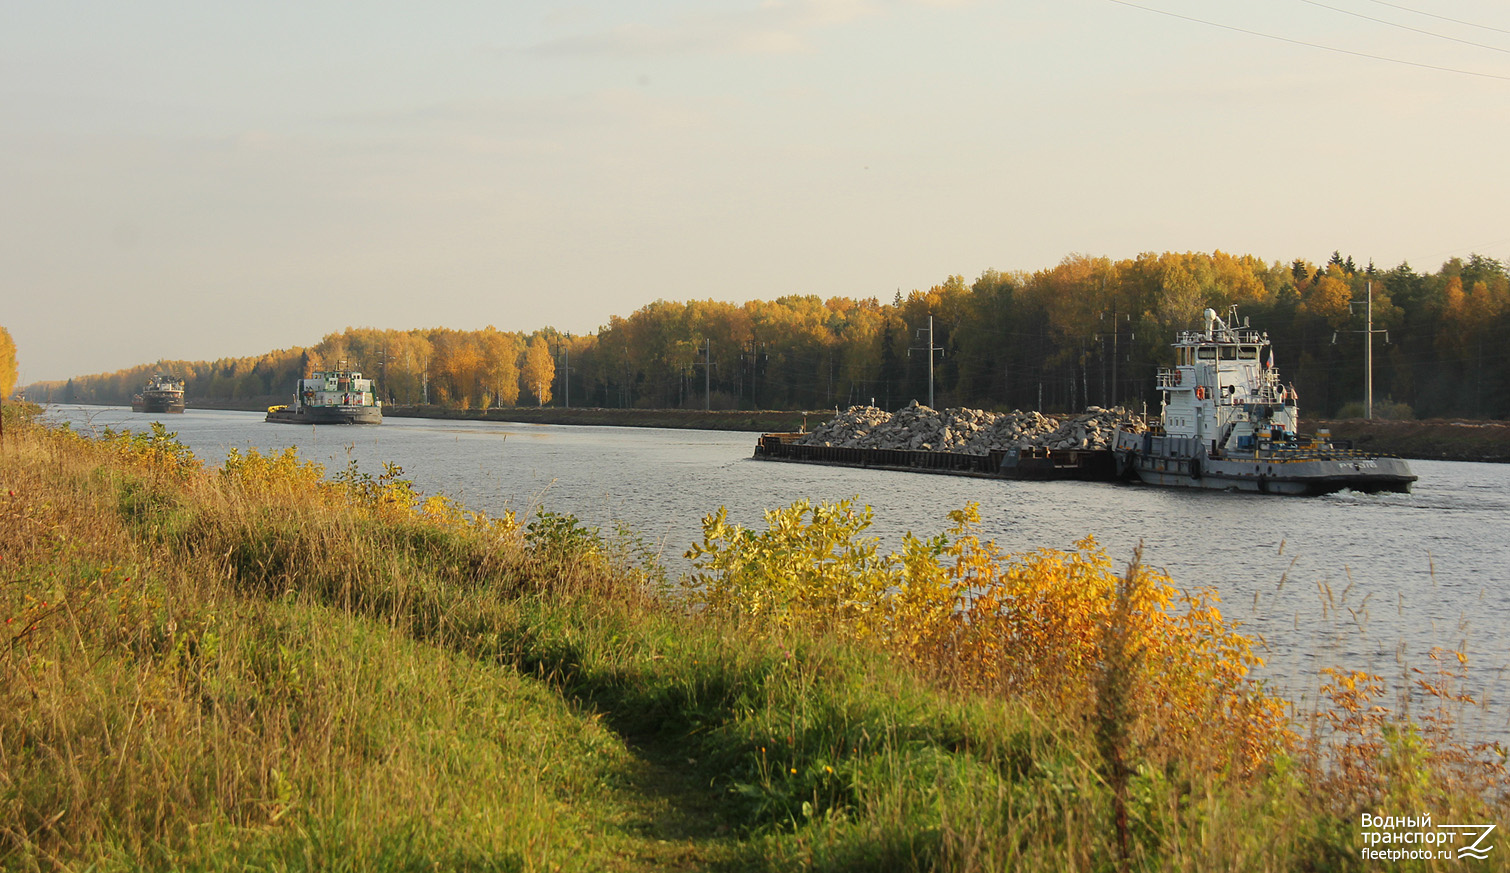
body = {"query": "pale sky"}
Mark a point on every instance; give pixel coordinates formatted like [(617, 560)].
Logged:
[(185, 180)]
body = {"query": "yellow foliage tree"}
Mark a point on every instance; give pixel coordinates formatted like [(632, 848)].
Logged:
[(538, 371), (1328, 298), (500, 366), (8, 369)]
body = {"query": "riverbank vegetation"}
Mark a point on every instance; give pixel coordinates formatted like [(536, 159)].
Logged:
[(1087, 331), (262, 665), (8, 370)]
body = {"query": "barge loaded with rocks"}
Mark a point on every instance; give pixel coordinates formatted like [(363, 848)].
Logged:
[(1226, 423), (965, 442)]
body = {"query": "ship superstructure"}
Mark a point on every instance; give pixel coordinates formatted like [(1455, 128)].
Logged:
[(161, 394), (1228, 422), (337, 396)]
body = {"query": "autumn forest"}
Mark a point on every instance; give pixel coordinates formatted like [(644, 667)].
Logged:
[(1087, 331)]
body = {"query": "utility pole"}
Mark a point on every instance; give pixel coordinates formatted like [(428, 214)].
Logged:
[(566, 372), (1368, 347), (754, 355), (1115, 336), (1368, 352), (930, 349), (624, 386), (1114, 356), (1085, 376), (707, 366)]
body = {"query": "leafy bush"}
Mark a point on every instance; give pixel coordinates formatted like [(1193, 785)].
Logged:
[(1033, 626)]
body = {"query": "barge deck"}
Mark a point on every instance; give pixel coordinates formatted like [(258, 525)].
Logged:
[(1040, 464)]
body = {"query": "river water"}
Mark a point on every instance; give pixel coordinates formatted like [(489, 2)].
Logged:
[(1362, 581)]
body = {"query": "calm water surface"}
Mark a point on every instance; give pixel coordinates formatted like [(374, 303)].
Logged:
[(1367, 581)]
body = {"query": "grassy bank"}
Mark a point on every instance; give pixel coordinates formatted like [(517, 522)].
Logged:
[(255, 666), (1436, 440), (755, 421), (752, 420)]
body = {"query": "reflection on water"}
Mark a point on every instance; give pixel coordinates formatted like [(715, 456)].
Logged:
[(1361, 580)]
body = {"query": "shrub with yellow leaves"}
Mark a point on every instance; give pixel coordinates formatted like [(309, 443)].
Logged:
[(810, 568), (1033, 626), (262, 474), (1364, 747), (157, 452)]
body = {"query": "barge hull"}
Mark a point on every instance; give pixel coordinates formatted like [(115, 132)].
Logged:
[(327, 415), (1038, 464)]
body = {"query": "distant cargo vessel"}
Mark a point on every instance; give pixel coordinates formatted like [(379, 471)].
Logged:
[(162, 394), (1227, 423), (338, 396)]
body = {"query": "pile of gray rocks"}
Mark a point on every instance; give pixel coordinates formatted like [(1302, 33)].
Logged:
[(969, 431)]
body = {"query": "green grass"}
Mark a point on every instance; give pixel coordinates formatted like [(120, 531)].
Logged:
[(205, 676)]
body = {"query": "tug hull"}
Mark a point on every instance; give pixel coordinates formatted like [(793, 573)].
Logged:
[(1183, 463)]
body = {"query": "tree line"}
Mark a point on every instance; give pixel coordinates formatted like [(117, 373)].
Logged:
[(1088, 331)]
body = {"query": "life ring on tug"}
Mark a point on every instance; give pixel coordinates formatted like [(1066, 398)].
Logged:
[(1200, 392)]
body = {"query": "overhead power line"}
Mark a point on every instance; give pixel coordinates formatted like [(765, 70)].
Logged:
[(1440, 17), (1314, 45), (1493, 48)]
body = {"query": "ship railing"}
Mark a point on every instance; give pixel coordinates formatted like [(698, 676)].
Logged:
[(1249, 337), (1220, 335), (1313, 452), (1169, 377)]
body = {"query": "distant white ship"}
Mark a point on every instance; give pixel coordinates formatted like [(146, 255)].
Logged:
[(338, 396)]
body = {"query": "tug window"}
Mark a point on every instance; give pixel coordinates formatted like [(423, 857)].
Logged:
[(1206, 353), (1249, 353)]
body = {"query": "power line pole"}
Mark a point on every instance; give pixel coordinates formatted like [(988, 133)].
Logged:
[(566, 372), (1368, 347), (930, 349), (707, 365), (753, 356), (1368, 353), (1085, 376), (1116, 335)]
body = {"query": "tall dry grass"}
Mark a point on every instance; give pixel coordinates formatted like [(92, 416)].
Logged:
[(259, 666), (1183, 751)]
